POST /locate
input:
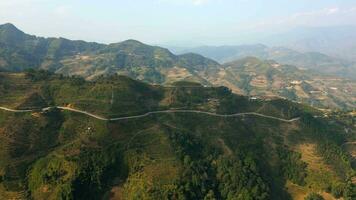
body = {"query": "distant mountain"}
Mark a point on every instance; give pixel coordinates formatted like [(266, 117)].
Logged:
[(20, 51), (135, 59), (338, 41), (224, 54), (310, 60), (153, 64)]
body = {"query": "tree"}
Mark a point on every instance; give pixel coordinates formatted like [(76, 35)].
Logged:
[(210, 195), (350, 191), (314, 196), (337, 190), (38, 75)]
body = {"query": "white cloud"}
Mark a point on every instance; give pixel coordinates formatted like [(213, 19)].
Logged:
[(186, 2), (323, 17), (63, 10), (6, 4), (331, 11), (199, 2)]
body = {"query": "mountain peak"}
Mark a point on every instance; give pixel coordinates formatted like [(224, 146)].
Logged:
[(9, 27), (11, 35), (131, 42)]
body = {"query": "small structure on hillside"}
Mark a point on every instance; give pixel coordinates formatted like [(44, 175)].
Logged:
[(253, 98), (296, 82)]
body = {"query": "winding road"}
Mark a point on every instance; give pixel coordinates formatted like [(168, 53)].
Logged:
[(17, 111), (153, 113)]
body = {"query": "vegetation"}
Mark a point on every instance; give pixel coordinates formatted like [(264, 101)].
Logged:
[(314, 196), (65, 155), (292, 166)]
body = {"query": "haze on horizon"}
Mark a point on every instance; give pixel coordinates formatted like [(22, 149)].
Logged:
[(173, 22)]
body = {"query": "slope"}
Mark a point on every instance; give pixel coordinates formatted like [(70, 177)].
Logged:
[(63, 154)]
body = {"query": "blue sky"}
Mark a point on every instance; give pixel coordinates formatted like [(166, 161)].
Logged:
[(175, 22)]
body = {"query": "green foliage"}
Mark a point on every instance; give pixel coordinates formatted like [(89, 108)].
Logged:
[(337, 190), (349, 191), (239, 179), (329, 141), (55, 176), (186, 84), (335, 156), (95, 169), (83, 177), (314, 196), (206, 177), (292, 167), (77, 81), (38, 75)]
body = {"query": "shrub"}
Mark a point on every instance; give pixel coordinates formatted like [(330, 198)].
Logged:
[(314, 196)]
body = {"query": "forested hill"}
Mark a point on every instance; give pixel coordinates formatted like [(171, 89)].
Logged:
[(57, 154), (19, 51)]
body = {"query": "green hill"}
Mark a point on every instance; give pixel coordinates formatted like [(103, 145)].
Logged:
[(57, 154), (19, 51)]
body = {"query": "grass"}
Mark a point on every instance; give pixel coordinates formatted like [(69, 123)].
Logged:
[(17, 88), (150, 149), (299, 193), (319, 175), (3, 116), (5, 194)]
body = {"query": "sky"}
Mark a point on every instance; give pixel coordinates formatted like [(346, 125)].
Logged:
[(172, 22)]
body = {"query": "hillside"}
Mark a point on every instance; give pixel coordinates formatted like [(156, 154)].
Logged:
[(60, 154), (153, 64), (20, 51), (248, 76), (312, 60), (254, 77)]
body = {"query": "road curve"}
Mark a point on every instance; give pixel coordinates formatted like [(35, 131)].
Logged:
[(153, 113)]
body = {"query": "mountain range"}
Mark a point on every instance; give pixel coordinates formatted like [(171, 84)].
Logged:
[(315, 61), (337, 41), (153, 64)]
